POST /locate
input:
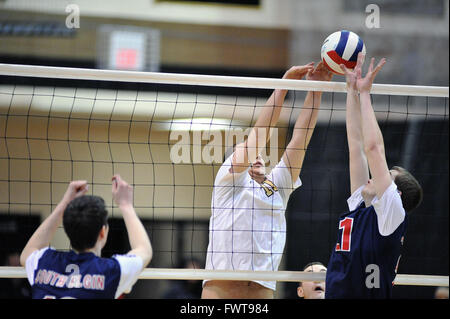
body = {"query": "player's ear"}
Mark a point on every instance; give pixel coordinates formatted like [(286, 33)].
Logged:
[(300, 292), (103, 232)]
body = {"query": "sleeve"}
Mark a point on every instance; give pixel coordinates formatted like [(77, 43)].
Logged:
[(389, 210), (32, 262), (130, 269), (355, 199), (281, 177), (225, 177)]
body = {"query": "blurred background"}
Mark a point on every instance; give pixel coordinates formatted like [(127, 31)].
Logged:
[(260, 38)]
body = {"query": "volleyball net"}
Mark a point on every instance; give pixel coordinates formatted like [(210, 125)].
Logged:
[(168, 134)]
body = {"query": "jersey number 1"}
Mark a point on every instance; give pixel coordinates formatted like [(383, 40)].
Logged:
[(346, 225)]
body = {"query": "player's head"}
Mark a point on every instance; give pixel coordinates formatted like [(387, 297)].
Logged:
[(258, 166), (408, 187), (85, 222), (441, 293), (312, 289), (410, 190)]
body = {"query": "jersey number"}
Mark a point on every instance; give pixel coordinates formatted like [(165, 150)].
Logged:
[(346, 225)]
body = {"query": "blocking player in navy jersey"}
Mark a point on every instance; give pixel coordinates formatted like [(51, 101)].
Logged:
[(364, 261), (81, 272)]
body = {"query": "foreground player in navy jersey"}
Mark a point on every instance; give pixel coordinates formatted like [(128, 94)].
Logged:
[(364, 261), (81, 272)]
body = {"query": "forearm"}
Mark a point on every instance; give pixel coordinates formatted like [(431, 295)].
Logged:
[(354, 122), (137, 235), (260, 133), (45, 232), (359, 171), (301, 136), (307, 119), (374, 147), (372, 137), (270, 113)]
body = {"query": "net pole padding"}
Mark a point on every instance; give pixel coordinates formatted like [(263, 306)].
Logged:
[(210, 80), (284, 276)]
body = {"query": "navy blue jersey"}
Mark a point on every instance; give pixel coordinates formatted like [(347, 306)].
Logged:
[(361, 252), (58, 274)]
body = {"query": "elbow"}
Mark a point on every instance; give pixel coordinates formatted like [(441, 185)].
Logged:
[(23, 259), (374, 148), (148, 257)]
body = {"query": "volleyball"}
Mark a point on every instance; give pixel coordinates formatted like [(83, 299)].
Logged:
[(341, 47)]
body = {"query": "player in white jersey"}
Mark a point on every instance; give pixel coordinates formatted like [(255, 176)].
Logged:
[(247, 227), (81, 272)]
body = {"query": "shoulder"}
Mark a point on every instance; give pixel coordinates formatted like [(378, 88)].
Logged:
[(39, 259), (130, 268), (37, 255), (281, 175), (389, 210), (129, 262), (356, 199), (226, 176)]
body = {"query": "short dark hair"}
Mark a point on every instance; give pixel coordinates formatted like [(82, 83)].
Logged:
[(318, 263), (83, 219), (411, 191)]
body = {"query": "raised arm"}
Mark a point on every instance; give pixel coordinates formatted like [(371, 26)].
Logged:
[(45, 232), (372, 137), (294, 154), (267, 119), (137, 235), (359, 171)]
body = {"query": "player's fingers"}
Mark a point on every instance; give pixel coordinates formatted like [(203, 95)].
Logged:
[(358, 72), (379, 66), (78, 185), (360, 59), (309, 66), (83, 189), (344, 68), (320, 68), (370, 68), (115, 182), (78, 188)]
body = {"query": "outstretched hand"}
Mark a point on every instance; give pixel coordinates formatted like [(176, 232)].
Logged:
[(354, 78), (365, 84), (351, 74), (75, 189), (121, 191), (320, 73), (298, 72)]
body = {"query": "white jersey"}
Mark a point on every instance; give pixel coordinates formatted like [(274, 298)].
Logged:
[(389, 208), (247, 229)]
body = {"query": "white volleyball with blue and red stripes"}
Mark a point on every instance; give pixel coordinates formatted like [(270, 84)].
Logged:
[(341, 47)]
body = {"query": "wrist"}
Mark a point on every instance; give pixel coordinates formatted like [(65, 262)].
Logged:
[(126, 206), (351, 87), (63, 204), (364, 93)]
